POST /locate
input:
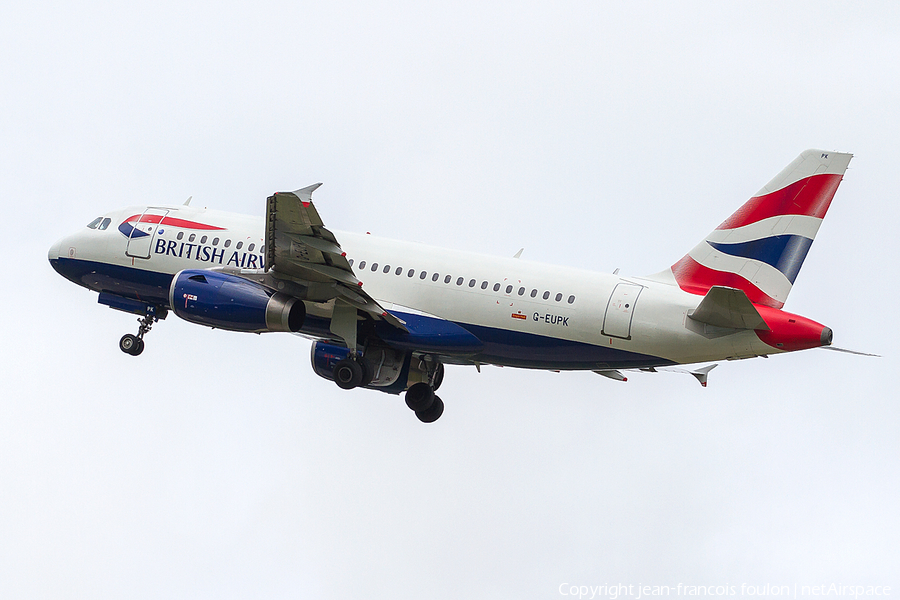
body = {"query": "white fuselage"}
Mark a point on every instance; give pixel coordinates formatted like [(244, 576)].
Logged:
[(504, 296)]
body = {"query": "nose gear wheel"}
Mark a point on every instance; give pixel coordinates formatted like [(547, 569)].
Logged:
[(134, 344)]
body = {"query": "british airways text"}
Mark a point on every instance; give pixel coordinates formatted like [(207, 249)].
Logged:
[(210, 254)]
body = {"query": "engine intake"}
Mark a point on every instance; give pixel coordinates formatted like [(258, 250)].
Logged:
[(230, 302)]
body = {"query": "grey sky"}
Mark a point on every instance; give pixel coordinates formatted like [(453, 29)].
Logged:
[(598, 135)]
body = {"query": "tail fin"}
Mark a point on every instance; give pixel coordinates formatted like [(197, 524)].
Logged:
[(761, 247)]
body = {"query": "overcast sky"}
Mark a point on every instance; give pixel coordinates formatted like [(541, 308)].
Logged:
[(598, 135)]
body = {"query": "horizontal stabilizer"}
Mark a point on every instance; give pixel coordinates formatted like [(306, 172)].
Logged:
[(728, 307)]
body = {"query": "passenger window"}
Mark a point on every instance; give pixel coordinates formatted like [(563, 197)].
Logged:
[(362, 265), (447, 279), (496, 287), (180, 236), (398, 271), (521, 291), (533, 293), (227, 242), (386, 268), (471, 283), (262, 249), (193, 237), (351, 262), (411, 273), (571, 299), (374, 267), (203, 241), (460, 281), (105, 223), (558, 297), (250, 249), (95, 223), (484, 285), (546, 295), (215, 241), (422, 275), (508, 289), (435, 277), (239, 244)]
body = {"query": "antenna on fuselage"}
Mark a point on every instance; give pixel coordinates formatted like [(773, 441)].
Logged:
[(519, 253), (188, 201)]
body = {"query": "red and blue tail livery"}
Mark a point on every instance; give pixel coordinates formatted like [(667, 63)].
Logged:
[(761, 247), (386, 315)]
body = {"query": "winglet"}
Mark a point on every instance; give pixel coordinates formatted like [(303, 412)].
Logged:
[(703, 373), (700, 374), (305, 194), (612, 374)]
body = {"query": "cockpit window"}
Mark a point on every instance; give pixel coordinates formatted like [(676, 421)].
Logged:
[(105, 223), (95, 223)]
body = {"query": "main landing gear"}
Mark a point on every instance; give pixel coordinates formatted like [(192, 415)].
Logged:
[(352, 372), (422, 400), (134, 344)]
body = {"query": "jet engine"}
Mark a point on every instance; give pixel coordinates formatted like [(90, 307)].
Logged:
[(229, 302)]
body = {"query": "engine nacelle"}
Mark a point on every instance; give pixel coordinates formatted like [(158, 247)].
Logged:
[(392, 370), (229, 302)]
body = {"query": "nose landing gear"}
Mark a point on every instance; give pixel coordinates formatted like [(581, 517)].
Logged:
[(134, 344)]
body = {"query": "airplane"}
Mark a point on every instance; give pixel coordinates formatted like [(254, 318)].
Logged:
[(388, 315)]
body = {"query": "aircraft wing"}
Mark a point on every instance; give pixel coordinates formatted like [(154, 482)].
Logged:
[(299, 248)]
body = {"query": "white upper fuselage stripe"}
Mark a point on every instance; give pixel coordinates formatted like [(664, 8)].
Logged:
[(801, 225)]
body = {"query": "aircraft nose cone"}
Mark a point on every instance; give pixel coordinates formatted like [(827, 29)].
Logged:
[(53, 253), (827, 336)]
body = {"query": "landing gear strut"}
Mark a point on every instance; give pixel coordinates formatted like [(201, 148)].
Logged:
[(134, 344)]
